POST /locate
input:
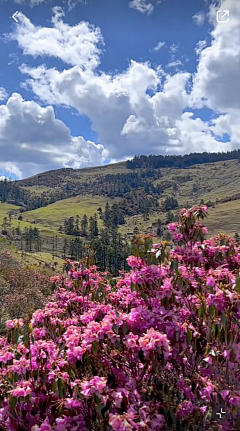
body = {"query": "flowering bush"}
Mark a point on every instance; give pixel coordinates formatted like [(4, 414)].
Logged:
[(158, 351)]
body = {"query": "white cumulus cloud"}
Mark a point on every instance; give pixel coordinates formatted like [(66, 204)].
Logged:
[(76, 45), (31, 138), (143, 109), (142, 6), (217, 83)]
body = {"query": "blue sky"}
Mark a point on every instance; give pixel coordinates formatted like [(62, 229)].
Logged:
[(94, 82)]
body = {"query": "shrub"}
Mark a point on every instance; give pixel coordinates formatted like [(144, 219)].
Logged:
[(22, 289), (157, 351)]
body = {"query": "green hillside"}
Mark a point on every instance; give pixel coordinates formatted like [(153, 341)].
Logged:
[(54, 215), (51, 206)]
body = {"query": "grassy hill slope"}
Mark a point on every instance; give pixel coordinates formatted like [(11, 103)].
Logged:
[(54, 214), (215, 184)]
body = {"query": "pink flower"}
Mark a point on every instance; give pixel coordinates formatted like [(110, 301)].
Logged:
[(155, 341), (16, 323), (132, 340), (206, 392), (185, 409), (6, 356), (224, 394), (21, 391), (45, 426), (120, 422), (173, 227), (210, 281), (234, 401), (134, 262), (94, 386)]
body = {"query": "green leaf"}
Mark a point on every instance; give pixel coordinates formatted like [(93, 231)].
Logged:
[(189, 337), (124, 328), (115, 328), (12, 402), (224, 320), (60, 388), (99, 409), (234, 409), (144, 297), (201, 311), (119, 346), (211, 310), (94, 347), (237, 285)]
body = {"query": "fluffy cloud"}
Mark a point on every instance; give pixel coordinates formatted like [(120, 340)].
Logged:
[(31, 138), (216, 83), (142, 6), (200, 46), (77, 45), (199, 18), (3, 93), (143, 109)]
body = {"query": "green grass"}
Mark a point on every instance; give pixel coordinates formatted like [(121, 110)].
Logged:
[(224, 218), (218, 180), (52, 216), (5, 208)]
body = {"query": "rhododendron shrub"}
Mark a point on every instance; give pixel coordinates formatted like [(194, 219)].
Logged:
[(157, 351)]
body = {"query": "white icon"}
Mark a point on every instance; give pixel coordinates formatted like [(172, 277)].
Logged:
[(15, 15), (220, 414), (222, 15)]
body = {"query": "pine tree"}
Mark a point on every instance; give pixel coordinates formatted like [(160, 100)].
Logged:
[(159, 228), (95, 225), (77, 226), (65, 247), (84, 225), (107, 214)]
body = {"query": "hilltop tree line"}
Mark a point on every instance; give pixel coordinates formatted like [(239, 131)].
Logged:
[(120, 185), (173, 161), (65, 183)]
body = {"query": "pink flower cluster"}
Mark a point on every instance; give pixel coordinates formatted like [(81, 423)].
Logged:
[(157, 351)]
